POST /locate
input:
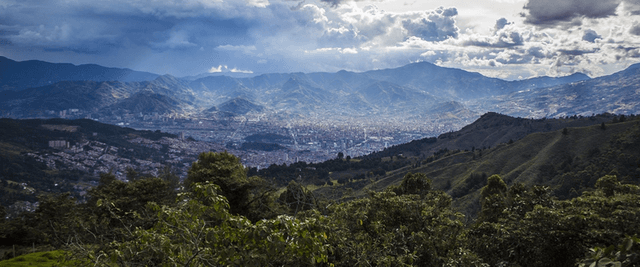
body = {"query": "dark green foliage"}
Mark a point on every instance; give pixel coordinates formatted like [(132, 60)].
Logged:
[(414, 147), (297, 198), (416, 184), (626, 254), (385, 229), (223, 169), (533, 229), (170, 177), (115, 206), (247, 196), (316, 173), (473, 182), (493, 199)]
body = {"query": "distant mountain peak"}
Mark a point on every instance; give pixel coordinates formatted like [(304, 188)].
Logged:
[(421, 63), (239, 105), (167, 78), (580, 75), (490, 118)]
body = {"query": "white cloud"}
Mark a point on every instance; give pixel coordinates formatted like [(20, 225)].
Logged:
[(240, 71), (349, 51), (216, 69), (225, 68), (258, 3), (436, 25)]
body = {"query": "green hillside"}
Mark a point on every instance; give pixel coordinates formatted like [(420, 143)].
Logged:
[(459, 162), (569, 162), (489, 130)]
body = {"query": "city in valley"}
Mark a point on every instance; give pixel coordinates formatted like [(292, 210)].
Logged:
[(263, 139)]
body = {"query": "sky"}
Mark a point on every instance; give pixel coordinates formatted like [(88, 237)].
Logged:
[(508, 39)]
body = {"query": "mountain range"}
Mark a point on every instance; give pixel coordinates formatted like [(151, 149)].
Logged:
[(617, 93), (21, 75), (414, 90)]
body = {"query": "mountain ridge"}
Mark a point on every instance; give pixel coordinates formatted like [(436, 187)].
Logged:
[(415, 90), (20, 75)]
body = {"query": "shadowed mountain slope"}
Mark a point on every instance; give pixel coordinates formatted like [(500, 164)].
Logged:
[(15, 75)]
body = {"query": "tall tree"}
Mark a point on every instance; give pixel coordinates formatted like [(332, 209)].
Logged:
[(248, 196)]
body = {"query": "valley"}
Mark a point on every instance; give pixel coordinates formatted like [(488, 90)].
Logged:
[(321, 113), (344, 154)]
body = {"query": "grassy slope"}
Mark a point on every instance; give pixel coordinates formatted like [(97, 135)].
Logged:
[(489, 130), (37, 259), (525, 161)]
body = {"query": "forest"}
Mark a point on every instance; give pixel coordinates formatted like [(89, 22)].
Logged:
[(221, 216)]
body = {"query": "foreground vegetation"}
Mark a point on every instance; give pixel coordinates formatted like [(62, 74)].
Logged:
[(220, 216), (38, 259)]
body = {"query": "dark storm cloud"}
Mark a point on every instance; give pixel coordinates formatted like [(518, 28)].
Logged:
[(552, 13), (92, 29), (590, 36), (576, 52), (436, 26)]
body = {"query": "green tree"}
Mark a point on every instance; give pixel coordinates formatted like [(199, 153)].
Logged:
[(536, 230), (132, 175), (116, 207), (168, 175), (200, 231), (493, 199), (626, 254), (58, 218), (385, 229), (297, 198), (251, 197), (417, 184)]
